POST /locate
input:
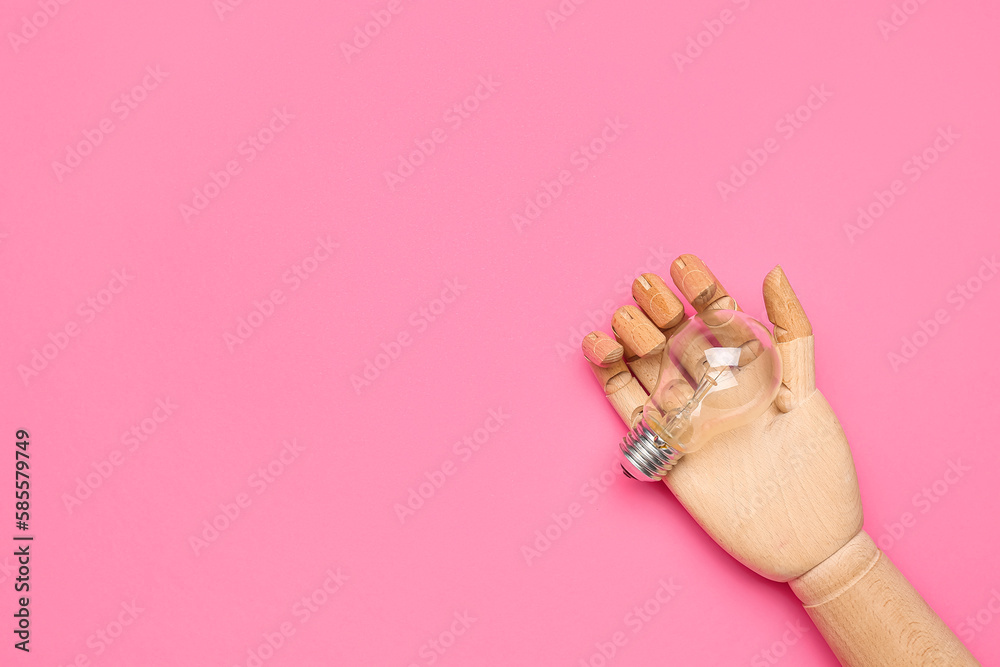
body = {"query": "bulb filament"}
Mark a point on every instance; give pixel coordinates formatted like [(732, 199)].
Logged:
[(680, 421)]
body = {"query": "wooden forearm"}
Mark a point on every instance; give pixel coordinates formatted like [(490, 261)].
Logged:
[(870, 615)]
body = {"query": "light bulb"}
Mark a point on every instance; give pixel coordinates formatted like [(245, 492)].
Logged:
[(720, 371)]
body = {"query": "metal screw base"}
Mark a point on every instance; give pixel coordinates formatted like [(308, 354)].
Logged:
[(645, 456)]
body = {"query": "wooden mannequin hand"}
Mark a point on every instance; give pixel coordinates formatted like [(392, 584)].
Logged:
[(779, 494)]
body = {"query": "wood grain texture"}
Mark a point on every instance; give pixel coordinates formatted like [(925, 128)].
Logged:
[(646, 370), (793, 332), (783, 308), (642, 342), (601, 349), (870, 615), (622, 390), (779, 494), (637, 333), (798, 373), (699, 285), (657, 301)]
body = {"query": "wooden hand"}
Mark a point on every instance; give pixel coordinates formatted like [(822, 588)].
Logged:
[(779, 494)]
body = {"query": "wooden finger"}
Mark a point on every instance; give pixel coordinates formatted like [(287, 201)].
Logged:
[(643, 344), (793, 332), (783, 308), (637, 334), (602, 349), (699, 285), (703, 290), (646, 370), (659, 303), (622, 389)]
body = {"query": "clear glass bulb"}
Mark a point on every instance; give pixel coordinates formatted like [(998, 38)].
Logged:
[(720, 371)]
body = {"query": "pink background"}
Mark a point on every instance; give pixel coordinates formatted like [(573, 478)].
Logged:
[(508, 341)]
